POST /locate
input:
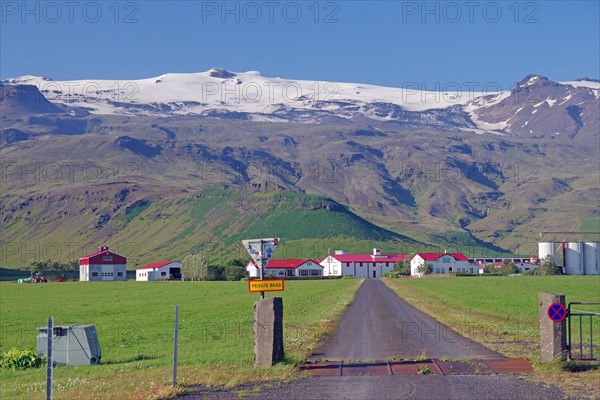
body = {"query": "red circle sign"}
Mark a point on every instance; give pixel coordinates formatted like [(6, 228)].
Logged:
[(557, 312)]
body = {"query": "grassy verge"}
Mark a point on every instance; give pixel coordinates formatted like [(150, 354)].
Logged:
[(502, 314), (134, 321)]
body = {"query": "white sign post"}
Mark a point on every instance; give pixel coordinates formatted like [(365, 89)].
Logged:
[(261, 251)]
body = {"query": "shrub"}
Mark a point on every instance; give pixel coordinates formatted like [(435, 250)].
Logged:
[(21, 359), (233, 272), (425, 269), (195, 267), (393, 274), (403, 267), (547, 266), (508, 268), (423, 370)]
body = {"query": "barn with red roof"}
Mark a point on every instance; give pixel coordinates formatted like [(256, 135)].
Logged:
[(287, 268), (103, 265), (158, 271), (360, 265)]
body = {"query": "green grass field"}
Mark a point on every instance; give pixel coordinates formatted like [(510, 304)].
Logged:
[(134, 321)]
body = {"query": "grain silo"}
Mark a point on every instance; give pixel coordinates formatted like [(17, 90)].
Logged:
[(546, 249), (591, 259), (574, 258)]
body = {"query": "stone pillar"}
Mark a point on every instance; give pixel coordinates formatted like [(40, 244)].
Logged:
[(553, 335), (268, 331)]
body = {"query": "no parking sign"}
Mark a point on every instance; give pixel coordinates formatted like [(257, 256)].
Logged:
[(557, 312)]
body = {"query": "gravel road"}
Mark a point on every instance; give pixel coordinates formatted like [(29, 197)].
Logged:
[(379, 324)]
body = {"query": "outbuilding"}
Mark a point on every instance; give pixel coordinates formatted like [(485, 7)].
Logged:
[(286, 268), (159, 271), (103, 265)]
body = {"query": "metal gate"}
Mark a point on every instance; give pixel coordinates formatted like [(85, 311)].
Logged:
[(586, 319)]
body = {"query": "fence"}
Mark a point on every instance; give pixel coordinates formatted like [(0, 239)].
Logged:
[(583, 349)]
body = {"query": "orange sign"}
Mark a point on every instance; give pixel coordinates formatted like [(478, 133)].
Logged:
[(265, 285)]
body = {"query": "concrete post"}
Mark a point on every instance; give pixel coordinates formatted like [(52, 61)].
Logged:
[(268, 331), (553, 335)]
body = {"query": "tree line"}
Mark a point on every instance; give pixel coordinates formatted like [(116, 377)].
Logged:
[(547, 266), (58, 269)]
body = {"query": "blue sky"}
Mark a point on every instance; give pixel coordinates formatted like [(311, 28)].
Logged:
[(386, 43)]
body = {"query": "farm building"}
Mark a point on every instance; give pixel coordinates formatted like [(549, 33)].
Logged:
[(360, 265), (157, 271), (102, 265), (443, 263), (285, 268), (522, 266)]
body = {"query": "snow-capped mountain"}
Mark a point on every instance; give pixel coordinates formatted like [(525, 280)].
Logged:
[(535, 106), (539, 107)]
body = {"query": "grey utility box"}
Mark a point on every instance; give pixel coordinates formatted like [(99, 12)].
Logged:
[(71, 344)]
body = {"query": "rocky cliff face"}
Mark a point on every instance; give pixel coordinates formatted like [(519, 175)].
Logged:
[(18, 101), (538, 107)]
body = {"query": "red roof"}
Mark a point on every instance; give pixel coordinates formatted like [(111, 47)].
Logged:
[(436, 256), (291, 263), (103, 256), (369, 257), (157, 264)]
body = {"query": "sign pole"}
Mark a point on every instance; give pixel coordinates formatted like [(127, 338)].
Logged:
[(49, 358), (175, 340), (262, 266)]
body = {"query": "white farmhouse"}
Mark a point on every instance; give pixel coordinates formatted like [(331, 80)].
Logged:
[(286, 268), (442, 263), (157, 271), (360, 265)]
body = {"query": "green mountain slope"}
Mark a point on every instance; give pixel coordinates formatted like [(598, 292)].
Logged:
[(153, 225), (161, 188)]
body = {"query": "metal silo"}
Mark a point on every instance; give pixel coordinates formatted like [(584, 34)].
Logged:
[(574, 258), (547, 248), (591, 259)]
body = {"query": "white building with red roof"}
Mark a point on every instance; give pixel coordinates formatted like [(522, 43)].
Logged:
[(360, 265), (158, 271), (443, 263), (103, 265), (286, 268)]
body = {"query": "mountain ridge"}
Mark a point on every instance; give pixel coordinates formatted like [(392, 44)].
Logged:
[(223, 94)]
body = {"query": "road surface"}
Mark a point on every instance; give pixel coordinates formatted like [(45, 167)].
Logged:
[(379, 325), (420, 387)]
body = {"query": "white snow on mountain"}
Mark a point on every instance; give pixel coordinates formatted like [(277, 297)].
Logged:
[(583, 83), (250, 92)]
